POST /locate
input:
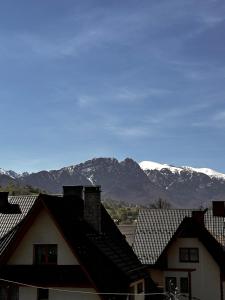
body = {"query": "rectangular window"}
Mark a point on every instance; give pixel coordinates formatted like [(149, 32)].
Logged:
[(189, 254), (42, 294), (184, 285), (132, 292), (3, 293), (14, 293), (140, 288), (171, 284), (9, 292), (45, 254)]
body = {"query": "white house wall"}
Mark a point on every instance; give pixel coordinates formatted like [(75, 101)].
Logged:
[(42, 231), (205, 281)]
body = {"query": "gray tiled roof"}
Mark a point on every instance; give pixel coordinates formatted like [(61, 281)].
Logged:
[(9, 221), (155, 228)]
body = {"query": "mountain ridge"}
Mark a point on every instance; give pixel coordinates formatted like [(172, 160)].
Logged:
[(127, 180)]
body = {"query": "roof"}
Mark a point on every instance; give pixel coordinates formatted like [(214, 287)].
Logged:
[(104, 256), (128, 231), (156, 227), (8, 221), (190, 227)]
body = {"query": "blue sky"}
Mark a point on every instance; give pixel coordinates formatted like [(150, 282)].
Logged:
[(140, 79)]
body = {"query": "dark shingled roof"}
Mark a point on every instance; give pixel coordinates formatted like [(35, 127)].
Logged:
[(8, 221), (156, 227)]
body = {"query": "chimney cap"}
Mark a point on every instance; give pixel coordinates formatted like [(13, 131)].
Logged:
[(198, 215), (218, 208), (4, 199), (73, 190), (93, 189)]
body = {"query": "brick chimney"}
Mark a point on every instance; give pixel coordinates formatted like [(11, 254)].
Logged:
[(92, 206), (4, 200), (73, 190), (218, 208), (6, 207), (199, 215)]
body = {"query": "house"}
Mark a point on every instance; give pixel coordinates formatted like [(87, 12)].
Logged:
[(65, 247), (184, 250)]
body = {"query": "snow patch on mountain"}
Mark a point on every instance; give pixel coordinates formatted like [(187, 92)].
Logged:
[(211, 173), (150, 165), (9, 173)]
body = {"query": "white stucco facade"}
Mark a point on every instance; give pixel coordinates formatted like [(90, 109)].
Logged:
[(44, 231), (204, 275)]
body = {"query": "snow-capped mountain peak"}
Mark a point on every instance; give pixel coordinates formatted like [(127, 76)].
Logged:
[(3, 172), (9, 173), (150, 165), (210, 172)]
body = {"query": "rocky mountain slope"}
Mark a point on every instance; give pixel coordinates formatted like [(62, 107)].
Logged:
[(132, 182)]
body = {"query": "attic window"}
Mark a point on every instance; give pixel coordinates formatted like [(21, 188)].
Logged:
[(45, 254), (189, 254)]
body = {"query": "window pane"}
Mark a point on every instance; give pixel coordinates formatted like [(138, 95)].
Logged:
[(45, 254), (14, 293), (184, 254), (189, 255), (184, 287), (194, 255), (52, 254), (140, 288), (42, 294), (40, 254), (3, 293), (131, 291), (9, 292), (171, 283)]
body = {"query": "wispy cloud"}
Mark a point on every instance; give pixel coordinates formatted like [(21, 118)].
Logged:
[(130, 131), (127, 94), (216, 120)]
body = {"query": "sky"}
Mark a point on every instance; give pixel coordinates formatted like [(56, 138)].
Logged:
[(110, 78)]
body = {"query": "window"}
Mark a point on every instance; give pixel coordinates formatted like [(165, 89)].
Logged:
[(3, 293), (140, 288), (132, 292), (9, 292), (42, 294), (45, 254), (189, 255), (184, 285), (171, 283)]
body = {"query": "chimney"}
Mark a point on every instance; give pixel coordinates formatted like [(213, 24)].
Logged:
[(6, 207), (198, 216), (71, 190), (4, 200), (92, 206), (218, 208)]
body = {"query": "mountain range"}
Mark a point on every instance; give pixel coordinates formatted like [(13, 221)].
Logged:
[(132, 182)]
